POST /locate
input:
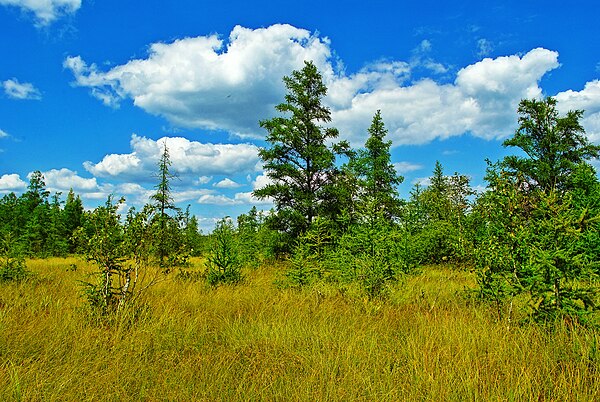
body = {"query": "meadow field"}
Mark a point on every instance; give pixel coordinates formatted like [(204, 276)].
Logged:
[(257, 342)]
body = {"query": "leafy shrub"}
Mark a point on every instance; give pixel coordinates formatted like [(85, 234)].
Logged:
[(121, 253)]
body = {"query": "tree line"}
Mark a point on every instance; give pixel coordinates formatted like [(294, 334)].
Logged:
[(531, 236)]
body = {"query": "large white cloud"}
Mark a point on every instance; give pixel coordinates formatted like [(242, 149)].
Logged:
[(232, 84), (65, 179), (188, 158), (482, 100), (208, 82), (45, 11), (20, 90), (11, 182)]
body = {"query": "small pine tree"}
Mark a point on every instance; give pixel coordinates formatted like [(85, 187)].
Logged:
[(223, 257), (167, 238)]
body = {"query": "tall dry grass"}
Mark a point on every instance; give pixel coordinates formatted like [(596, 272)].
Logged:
[(257, 342)]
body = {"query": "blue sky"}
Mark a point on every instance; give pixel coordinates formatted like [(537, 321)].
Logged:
[(90, 90)]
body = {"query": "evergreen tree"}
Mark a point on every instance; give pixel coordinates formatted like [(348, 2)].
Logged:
[(554, 145), (56, 241), (36, 214), (72, 218), (379, 177), (167, 229), (299, 161), (36, 191)]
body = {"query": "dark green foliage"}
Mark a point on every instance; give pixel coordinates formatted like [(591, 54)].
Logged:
[(377, 177), (256, 241), (299, 161), (57, 239), (561, 279), (12, 263), (436, 219), (538, 250), (223, 258), (41, 225), (372, 253), (309, 261), (72, 218), (554, 145), (193, 241), (537, 225)]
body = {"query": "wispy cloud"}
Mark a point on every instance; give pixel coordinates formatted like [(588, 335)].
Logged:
[(406, 167), (17, 90), (484, 48), (45, 11)]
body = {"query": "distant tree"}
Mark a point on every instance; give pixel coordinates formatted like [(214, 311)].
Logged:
[(554, 145), (35, 214), (299, 160), (192, 237), (36, 191), (12, 263), (72, 218), (435, 195), (9, 213), (56, 240), (436, 217)]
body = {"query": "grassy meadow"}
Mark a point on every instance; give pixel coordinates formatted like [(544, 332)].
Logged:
[(256, 342)]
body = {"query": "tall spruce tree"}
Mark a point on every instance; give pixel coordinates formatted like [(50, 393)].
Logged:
[(299, 162), (163, 202), (379, 177)]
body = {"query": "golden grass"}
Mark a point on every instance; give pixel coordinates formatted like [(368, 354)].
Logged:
[(256, 342)]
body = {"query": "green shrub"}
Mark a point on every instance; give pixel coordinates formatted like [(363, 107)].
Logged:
[(12, 263), (223, 258)]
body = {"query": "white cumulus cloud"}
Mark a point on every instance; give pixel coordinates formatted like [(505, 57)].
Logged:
[(64, 179), (217, 199), (482, 101), (227, 183), (188, 160), (11, 182), (45, 11), (17, 90), (207, 81), (231, 84), (4, 134)]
